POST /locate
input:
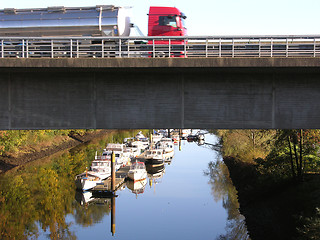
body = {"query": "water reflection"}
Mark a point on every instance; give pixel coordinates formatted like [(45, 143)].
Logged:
[(40, 200), (223, 189), (137, 187)]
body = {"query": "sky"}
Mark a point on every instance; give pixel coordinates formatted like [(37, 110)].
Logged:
[(214, 17)]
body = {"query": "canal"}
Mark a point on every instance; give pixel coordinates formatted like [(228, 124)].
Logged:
[(191, 197)]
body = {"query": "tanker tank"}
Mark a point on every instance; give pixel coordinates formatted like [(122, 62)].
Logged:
[(102, 20)]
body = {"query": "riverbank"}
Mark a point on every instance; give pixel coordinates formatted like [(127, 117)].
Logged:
[(284, 210), (59, 143)]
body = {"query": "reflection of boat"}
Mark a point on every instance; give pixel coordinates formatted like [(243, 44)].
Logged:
[(83, 197), (155, 174), (137, 187), (87, 198), (137, 171)]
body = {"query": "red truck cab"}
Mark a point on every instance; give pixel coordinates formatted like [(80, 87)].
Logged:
[(166, 21)]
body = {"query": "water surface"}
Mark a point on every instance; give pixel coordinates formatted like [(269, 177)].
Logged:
[(193, 199)]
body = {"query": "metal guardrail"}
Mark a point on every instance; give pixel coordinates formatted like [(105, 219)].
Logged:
[(126, 47)]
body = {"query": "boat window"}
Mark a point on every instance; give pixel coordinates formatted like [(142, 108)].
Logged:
[(168, 21), (117, 155)]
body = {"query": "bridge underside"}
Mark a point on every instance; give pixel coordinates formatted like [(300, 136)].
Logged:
[(159, 97)]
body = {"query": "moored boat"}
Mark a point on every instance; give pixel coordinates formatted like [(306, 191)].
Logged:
[(167, 146), (137, 171), (100, 170), (153, 156)]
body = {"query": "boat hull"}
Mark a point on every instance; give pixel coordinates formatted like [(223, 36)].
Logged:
[(89, 180), (85, 184), (137, 175)]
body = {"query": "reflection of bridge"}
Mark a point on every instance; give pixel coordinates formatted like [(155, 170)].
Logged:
[(279, 89)]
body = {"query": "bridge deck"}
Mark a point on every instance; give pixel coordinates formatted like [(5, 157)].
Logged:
[(149, 63)]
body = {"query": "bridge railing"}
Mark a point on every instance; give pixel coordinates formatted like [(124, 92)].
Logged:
[(151, 47)]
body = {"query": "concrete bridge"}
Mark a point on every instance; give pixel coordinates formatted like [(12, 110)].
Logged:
[(123, 93)]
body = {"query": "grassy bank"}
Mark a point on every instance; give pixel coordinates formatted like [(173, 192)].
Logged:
[(19, 146)]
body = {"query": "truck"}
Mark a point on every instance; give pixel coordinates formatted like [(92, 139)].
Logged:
[(97, 21)]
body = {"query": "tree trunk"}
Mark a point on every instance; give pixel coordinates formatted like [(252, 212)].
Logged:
[(297, 160), (301, 142), (291, 159)]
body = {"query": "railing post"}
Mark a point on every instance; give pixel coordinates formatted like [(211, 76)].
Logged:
[(22, 49), (271, 47), (314, 47), (259, 47), (153, 49), (185, 48), (120, 48), (169, 47), (77, 53), (287, 47), (51, 48), (2, 49), (70, 48), (102, 48), (27, 48), (206, 47), (232, 47), (128, 48), (220, 47)]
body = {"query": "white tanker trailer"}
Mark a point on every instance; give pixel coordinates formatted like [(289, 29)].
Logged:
[(104, 20)]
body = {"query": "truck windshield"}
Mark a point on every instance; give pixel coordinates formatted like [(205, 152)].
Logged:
[(183, 17), (168, 21)]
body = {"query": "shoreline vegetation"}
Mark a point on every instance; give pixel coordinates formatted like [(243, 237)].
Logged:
[(18, 147), (276, 174)]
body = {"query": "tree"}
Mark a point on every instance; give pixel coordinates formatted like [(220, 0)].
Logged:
[(297, 149)]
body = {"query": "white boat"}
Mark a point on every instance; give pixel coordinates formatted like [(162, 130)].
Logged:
[(167, 146), (137, 147), (137, 171), (153, 154), (100, 170), (185, 133), (140, 137), (175, 138), (121, 157), (101, 167), (156, 137)]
